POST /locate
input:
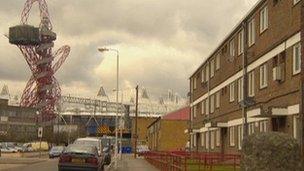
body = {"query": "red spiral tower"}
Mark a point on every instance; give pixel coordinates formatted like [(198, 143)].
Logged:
[(42, 91)]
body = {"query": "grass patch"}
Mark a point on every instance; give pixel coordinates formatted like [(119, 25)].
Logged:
[(193, 165)]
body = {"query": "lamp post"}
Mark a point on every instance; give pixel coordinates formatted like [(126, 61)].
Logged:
[(117, 89)]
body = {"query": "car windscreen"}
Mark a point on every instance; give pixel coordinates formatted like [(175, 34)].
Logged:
[(81, 149), (88, 143), (57, 149)]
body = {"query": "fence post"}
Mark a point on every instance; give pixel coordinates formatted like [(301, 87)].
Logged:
[(234, 168)]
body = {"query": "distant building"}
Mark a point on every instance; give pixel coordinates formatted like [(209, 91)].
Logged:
[(17, 123), (167, 133), (255, 71)]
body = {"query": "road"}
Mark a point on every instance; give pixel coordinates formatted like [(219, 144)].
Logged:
[(48, 165)]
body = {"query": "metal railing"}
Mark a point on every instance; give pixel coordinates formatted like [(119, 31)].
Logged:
[(184, 161)]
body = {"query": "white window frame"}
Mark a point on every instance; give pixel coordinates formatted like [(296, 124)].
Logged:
[(296, 56), (251, 128), (232, 48), (241, 42), (203, 107), (217, 99), (212, 68), (218, 62), (231, 92), (263, 19), (207, 140), (212, 140), (194, 140), (231, 136), (251, 84), (263, 76), (207, 106), (218, 137), (240, 136), (191, 114), (263, 126), (194, 111), (240, 89), (295, 126), (251, 32), (212, 104), (202, 139), (207, 72), (203, 75), (194, 82)]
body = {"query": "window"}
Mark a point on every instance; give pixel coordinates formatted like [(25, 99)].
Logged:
[(263, 76), (241, 42), (297, 58), (212, 140), (203, 139), (194, 111), (217, 99), (231, 48), (295, 127), (194, 83), (231, 92), (263, 126), (240, 136), (194, 140), (212, 68), (217, 62), (251, 84), (191, 114), (207, 106), (218, 137), (203, 75), (207, 72), (263, 19), (231, 136), (251, 32), (240, 89), (207, 140), (203, 107), (296, 1), (251, 128), (212, 103)]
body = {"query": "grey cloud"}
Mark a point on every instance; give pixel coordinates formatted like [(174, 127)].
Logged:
[(143, 21)]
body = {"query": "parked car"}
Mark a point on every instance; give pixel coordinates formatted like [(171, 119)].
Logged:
[(142, 149), (80, 157), (56, 151), (5, 149)]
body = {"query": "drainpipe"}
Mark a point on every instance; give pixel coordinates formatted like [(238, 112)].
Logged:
[(245, 80), (301, 110), (208, 99)]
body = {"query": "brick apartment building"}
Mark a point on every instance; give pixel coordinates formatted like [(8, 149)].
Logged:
[(254, 71), (167, 133)]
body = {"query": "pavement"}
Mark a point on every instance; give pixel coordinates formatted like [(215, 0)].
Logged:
[(129, 163), (35, 165)]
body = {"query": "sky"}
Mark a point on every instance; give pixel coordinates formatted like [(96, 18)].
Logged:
[(161, 42)]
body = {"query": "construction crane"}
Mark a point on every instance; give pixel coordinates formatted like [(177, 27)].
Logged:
[(42, 91)]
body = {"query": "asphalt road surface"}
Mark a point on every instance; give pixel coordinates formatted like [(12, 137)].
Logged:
[(49, 165)]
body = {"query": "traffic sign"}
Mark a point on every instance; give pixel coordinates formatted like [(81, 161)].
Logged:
[(40, 131)]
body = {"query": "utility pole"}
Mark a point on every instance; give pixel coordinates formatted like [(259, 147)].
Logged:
[(136, 115), (301, 110), (245, 79)]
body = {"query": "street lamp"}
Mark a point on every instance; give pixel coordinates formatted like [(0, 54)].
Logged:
[(103, 49)]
